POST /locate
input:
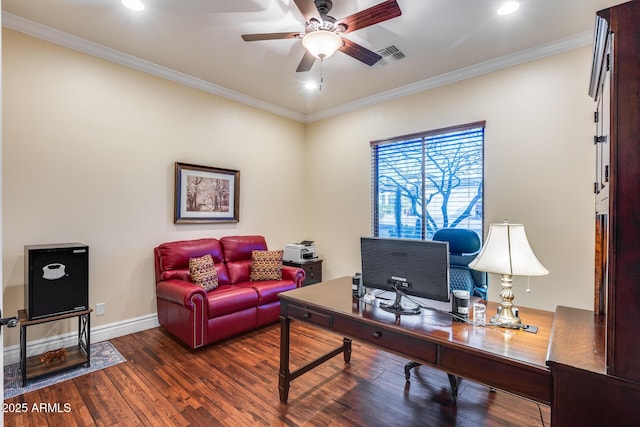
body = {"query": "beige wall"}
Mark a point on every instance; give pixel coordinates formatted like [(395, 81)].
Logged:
[(88, 155), (538, 168), (89, 148)]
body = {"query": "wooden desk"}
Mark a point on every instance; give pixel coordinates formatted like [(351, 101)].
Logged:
[(507, 359)]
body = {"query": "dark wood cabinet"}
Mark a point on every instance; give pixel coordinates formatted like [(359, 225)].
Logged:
[(312, 268), (593, 356), (620, 221)]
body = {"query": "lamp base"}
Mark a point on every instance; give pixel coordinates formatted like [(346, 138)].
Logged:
[(506, 319)]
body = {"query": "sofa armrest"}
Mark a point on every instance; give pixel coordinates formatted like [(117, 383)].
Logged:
[(295, 274), (179, 292)]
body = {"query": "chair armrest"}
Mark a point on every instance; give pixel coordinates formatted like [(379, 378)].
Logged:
[(179, 292), (295, 274)]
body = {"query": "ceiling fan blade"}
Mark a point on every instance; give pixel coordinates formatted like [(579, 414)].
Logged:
[(375, 14), (306, 63), (359, 52), (269, 36), (308, 9)]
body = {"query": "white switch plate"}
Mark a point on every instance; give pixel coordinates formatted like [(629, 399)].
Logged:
[(100, 309)]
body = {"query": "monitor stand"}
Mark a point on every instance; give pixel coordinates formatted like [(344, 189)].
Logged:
[(397, 308)]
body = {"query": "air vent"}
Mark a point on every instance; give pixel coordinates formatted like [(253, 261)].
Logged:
[(390, 54)]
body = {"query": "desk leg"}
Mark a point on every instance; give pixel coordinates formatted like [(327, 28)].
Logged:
[(346, 345), (407, 369), (284, 374), (453, 380)]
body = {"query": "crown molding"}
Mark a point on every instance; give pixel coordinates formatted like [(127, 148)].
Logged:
[(82, 45), (532, 54)]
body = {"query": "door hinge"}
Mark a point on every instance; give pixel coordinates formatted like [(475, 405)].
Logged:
[(597, 139)]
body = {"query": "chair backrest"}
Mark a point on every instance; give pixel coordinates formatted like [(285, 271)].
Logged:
[(237, 255), (464, 246), (172, 258)]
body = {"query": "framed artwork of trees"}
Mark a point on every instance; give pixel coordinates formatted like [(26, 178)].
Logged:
[(205, 194)]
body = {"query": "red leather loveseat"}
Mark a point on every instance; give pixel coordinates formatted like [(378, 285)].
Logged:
[(236, 305)]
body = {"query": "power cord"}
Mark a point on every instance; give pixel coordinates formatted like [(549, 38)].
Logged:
[(454, 315)]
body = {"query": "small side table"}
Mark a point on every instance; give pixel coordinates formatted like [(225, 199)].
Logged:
[(312, 268), (32, 367)]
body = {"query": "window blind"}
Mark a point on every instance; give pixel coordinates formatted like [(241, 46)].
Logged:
[(427, 181)]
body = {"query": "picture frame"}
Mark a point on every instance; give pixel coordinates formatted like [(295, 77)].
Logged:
[(205, 194)]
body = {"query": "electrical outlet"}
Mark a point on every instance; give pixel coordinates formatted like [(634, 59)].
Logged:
[(100, 309)]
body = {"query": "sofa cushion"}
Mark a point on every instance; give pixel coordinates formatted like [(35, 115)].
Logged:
[(172, 258), (227, 299), (266, 265), (174, 255), (203, 272), (268, 290), (239, 248), (239, 271)]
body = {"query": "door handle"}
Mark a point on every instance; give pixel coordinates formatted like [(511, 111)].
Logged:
[(9, 322)]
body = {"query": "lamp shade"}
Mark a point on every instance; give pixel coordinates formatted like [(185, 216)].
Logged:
[(507, 251), (321, 43)]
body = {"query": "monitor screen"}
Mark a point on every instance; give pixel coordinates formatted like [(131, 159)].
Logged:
[(415, 267)]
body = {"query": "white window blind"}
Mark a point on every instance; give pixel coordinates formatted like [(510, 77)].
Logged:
[(428, 181)]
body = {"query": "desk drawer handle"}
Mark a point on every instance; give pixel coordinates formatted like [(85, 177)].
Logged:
[(377, 334)]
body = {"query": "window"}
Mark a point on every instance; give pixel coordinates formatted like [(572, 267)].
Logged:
[(428, 181)]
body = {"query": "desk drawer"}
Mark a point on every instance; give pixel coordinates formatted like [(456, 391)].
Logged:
[(309, 315), (389, 339)]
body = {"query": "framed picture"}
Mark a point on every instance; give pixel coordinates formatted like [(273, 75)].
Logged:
[(205, 194)]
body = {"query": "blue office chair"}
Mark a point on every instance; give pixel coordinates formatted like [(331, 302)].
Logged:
[(464, 246)]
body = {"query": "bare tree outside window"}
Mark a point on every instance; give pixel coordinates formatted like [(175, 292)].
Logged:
[(424, 184)]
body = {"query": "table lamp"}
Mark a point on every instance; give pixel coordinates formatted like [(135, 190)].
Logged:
[(507, 252)]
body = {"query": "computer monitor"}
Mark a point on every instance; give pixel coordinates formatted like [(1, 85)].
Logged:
[(413, 267)]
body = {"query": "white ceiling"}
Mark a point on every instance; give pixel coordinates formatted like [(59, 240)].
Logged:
[(198, 43)]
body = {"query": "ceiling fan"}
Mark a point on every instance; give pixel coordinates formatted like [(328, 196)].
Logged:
[(323, 33)]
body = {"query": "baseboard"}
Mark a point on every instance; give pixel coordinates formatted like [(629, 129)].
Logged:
[(98, 333)]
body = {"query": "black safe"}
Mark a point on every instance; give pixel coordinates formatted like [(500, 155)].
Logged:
[(56, 279)]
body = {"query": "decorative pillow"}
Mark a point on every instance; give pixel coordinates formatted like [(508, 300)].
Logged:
[(266, 265), (203, 272)]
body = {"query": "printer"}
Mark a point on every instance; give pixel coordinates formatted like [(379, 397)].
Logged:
[(299, 252)]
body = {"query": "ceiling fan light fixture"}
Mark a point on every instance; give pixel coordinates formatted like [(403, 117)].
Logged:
[(508, 8), (135, 5), (321, 43)]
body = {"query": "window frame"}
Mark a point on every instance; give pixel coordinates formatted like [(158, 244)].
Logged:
[(375, 208)]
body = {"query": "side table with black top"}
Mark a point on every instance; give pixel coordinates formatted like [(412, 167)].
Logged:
[(312, 269), (32, 367)]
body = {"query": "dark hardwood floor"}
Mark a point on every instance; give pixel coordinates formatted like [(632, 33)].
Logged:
[(235, 383)]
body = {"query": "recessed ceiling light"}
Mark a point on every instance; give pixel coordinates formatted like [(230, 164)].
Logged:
[(311, 85), (136, 5), (508, 8)]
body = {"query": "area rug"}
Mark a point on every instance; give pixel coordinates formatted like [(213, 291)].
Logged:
[(103, 355)]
